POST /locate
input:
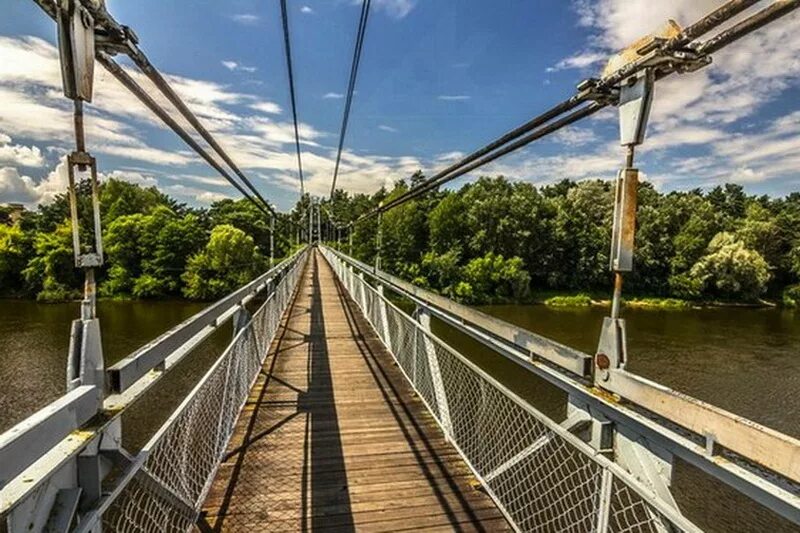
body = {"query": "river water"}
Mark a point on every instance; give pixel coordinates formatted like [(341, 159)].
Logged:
[(744, 360)]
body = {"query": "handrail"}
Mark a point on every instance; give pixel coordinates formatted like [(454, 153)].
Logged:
[(130, 369), (710, 426), (46, 435), (548, 431), (526, 341)]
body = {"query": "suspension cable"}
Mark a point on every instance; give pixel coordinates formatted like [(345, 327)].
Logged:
[(129, 83), (121, 39), (362, 27), (680, 53), (288, 49)]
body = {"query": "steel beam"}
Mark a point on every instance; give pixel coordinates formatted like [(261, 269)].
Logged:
[(28, 441)]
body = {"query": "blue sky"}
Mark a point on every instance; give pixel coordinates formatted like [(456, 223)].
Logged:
[(438, 78)]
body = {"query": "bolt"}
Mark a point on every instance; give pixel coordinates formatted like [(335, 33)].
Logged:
[(602, 361)]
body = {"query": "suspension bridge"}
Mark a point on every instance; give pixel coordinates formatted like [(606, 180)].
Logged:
[(337, 407)]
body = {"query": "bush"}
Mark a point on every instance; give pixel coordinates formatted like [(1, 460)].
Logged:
[(729, 270), (578, 300), (229, 260), (791, 296), (496, 279)]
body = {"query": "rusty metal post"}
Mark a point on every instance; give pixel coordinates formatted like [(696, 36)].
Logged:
[(635, 99)]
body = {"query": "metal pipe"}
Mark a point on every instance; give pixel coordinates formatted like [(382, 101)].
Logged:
[(80, 135), (776, 10), (523, 141), (707, 23), (138, 57), (129, 83)]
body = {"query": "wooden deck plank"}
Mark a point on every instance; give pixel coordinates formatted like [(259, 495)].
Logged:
[(332, 438)]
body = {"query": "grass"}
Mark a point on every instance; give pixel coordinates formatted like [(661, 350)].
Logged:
[(577, 300), (658, 303)]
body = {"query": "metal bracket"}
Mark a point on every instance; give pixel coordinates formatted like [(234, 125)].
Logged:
[(76, 47), (93, 257), (635, 99), (612, 348)]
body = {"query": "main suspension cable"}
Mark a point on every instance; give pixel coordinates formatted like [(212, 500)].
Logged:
[(362, 27), (603, 92), (288, 49)]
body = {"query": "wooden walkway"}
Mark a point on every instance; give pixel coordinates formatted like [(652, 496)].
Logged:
[(332, 438)]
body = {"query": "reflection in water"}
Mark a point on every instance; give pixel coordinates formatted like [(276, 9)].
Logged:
[(34, 339), (743, 360)]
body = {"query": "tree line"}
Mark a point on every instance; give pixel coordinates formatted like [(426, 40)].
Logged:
[(493, 240), (154, 246), (497, 240)]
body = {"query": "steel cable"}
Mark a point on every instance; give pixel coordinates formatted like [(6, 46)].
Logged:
[(362, 26), (288, 49)]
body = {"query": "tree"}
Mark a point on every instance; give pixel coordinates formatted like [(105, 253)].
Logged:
[(495, 279), (730, 270), (230, 259), (15, 251), (51, 273)]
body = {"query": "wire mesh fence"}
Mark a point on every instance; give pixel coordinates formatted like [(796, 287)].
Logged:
[(182, 457), (541, 476)]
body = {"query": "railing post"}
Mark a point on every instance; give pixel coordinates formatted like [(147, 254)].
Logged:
[(424, 319), (384, 318)]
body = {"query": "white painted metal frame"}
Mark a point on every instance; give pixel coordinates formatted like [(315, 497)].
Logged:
[(610, 469), (756, 446)]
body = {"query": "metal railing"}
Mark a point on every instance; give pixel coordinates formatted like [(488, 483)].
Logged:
[(606, 467), (162, 487)]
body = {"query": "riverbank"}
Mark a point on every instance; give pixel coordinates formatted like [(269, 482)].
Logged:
[(643, 302)]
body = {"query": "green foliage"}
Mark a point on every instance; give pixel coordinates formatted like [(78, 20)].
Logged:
[(658, 303), (15, 252), (730, 270), (495, 279), (442, 270), (230, 259), (791, 296), (51, 272), (148, 253), (578, 300), (489, 241)]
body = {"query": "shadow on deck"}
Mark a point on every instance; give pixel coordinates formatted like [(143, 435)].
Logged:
[(332, 437)]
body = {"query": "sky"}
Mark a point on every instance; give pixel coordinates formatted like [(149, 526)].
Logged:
[(437, 79)]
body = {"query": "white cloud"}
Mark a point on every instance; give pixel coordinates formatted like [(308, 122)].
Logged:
[(450, 157), (236, 66), (270, 108), (396, 9), (576, 136), (453, 97), (579, 61), (246, 19), (307, 10), (15, 187), (19, 155), (332, 96), (390, 129), (705, 110)]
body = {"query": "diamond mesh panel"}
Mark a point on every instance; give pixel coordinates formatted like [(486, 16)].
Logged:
[(543, 480), (166, 494)]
